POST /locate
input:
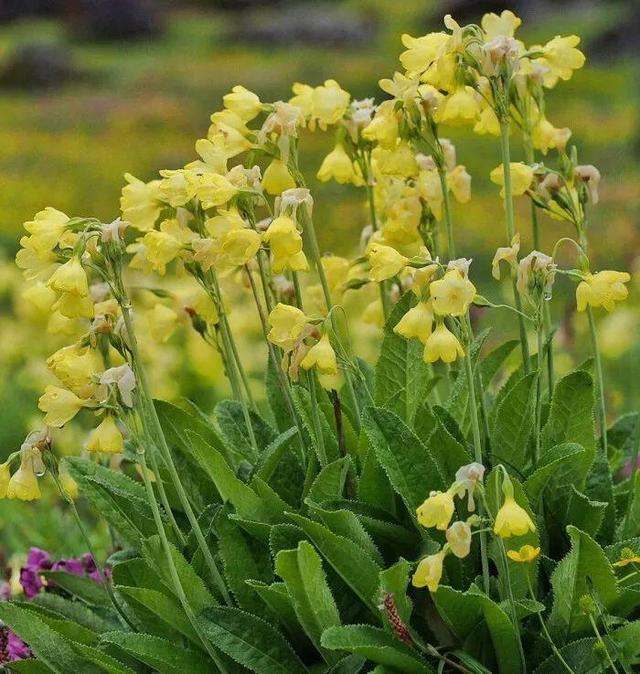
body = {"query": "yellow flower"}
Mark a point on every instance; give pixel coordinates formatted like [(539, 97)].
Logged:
[(46, 228), (503, 25), (460, 107), (488, 122), (545, 136), (459, 539), (175, 188), (385, 262), (288, 324), (508, 254), (74, 366), (321, 356), (213, 189), (452, 294), (243, 102), (60, 405), (240, 246), (74, 306), (285, 242), (5, 476), (436, 511), (512, 519), (276, 178), (161, 322), (383, 128), (459, 182), (338, 165), (521, 177), (106, 437), (40, 296), (417, 322), (336, 270), (398, 161), (442, 345), (69, 485), (561, 58), (430, 189), (70, 278), (34, 263), (602, 289), (140, 202), (329, 102), (373, 314), (429, 572), (23, 484), (422, 51), (527, 553)]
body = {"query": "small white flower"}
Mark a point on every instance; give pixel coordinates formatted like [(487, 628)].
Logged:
[(124, 379), (113, 231)]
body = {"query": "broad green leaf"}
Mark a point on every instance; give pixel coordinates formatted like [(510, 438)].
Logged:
[(585, 514), (468, 612), (330, 481), (624, 432), (630, 522), (580, 655), (306, 583), (351, 563), (376, 645), (273, 453), (446, 445), (250, 641), (159, 653), (81, 587), (73, 610), (571, 419), (394, 581), (513, 423), (231, 422), (275, 396), (599, 487), (374, 487), (411, 469), (493, 361), (585, 567), (193, 586), (106, 662), (47, 644), (400, 374), (302, 402), (68, 629), (351, 664), (30, 666), (556, 466)]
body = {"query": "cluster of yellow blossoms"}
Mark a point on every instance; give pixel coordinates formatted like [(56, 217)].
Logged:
[(439, 508)]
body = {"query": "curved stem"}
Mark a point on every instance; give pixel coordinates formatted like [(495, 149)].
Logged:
[(512, 602), (602, 644)]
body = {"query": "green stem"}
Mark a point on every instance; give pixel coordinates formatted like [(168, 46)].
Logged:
[(512, 602), (602, 644), (155, 429), (545, 631), (311, 385), (599, 380), (384, 296), (510, 228), (446, 202), (477, 449), (173, 572), (538, 418)]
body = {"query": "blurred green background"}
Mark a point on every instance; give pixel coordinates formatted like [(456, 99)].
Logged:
[(90, 89)]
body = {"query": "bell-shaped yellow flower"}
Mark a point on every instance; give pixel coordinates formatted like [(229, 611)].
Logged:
[(521, 178), (417, 322), (337, 165), (71, 305), (140, 202), (453, 294), (23, 484), (429, 572), (40, 296), (330, 102), (602, 289), (161, 322), (285, 241), (512, 519), (243, 102), (459, 539), (460, 107), (442, 345), (459, 182), (74, 366), (213, 189), (385, 262), (46, 228), (276, 178), (383, 128), (70, 278), (336, 270), (527, 553), (561, 57), (504, 24), (240, 246), (69, 485), (174, 188), (436, 511), (422, 51), (545, 136), (60, 405), (5, 476), (322, 357), (106, 437), (488, 122), (288, 324)]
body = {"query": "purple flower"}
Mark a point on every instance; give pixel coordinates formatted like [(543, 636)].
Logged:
[(73, 566), (38, 560), (16, 648), (31, 582), (5, 590)]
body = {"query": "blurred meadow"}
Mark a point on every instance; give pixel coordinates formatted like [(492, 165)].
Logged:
[(79, 108)]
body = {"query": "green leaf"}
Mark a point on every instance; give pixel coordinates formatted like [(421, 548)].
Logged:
[(72, 610), (159, 653), (306, 583), (599, 487), (374, 487), (47, 644), (630, 524), (556, 466), (394, 581), (105, 661), (494, 360), (411, 469), (120, 500), (196, 592), (230, 418), (81, 587), (352, 563), (585, 514), (330, 481), (273, 453), (401, 374), (250, 641), (302, 402), (571, 419), (30, 666), (585, 567), (446, 445), (472, 613), (580, 655), (376, 645), (513, 424), (351, 664)]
